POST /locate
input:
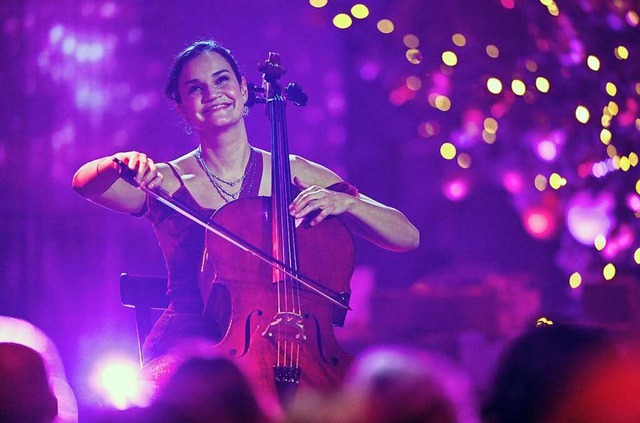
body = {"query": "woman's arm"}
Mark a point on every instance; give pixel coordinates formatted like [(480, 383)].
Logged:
[(384, 226), (99, 181)]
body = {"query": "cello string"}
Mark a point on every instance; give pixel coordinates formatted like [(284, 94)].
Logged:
[(289, 233)]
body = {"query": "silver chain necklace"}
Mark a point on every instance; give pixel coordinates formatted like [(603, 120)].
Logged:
[(216, 180)]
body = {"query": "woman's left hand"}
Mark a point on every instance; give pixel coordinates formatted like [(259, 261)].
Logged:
[(314, 198)]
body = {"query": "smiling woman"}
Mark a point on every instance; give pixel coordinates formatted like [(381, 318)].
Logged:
[(210, 94)]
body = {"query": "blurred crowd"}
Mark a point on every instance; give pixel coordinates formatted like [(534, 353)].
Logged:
[(550, 373)]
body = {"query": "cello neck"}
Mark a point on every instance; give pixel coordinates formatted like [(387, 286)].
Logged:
[(283, 233)]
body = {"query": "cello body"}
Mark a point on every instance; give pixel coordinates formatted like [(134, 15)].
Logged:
[(280, 351)]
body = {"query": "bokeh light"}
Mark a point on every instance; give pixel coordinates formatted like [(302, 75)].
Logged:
[(609, 271), (318, 3), (359, 11), (582, 114), (116, 379), (593, 63), (449, 58), (342, 21), (385, 26), (448, 151), (459, 40), (494, 85), (575, 280)]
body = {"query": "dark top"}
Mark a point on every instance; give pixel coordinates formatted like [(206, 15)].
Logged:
[(182, 240), (182, 243)]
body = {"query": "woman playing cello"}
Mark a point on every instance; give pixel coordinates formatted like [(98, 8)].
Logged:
[(208, 91)]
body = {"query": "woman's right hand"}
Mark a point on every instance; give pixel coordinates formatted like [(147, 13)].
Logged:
[(147, 174)]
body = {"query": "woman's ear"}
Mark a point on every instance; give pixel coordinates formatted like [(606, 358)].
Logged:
[(180, 109), (244, 89)]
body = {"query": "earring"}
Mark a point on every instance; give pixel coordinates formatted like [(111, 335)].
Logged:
[(187, 127), (245, 111)]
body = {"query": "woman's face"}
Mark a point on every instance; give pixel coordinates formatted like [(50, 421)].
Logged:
[(212, 97)]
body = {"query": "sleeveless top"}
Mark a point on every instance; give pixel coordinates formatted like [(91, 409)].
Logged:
[(182, 241)]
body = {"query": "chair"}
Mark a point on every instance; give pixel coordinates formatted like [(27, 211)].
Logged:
[(143, 294)]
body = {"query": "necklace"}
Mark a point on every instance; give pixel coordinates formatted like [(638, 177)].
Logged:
[(217, 181)]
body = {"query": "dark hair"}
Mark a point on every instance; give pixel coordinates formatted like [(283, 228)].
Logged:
[(191, 52), (536, 368)]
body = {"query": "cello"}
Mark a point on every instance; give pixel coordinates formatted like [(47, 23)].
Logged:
[(278, 330)]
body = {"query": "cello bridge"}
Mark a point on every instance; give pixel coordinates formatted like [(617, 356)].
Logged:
[(286, 325)]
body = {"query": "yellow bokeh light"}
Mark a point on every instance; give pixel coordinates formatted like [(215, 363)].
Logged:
[(459, 40), (540, 182), (600, 242), (543, 321), (342, 21), (582, 114), (593, 62), (414, 83), (638, 186), (360, 11), (637, 124), (449, 58), (448, 151), (637, 87), (411, 41), (492, 51), (494, 85), (636, 255), (612, 151), (611, 89), (605, 136), (605, 121), (488, 137), (625, 164), (575, 280), (318, 3), (633, 159), (385, 26), (442, 103), (542, 84), (612, 108), (609, 271), (491, 125), (556, 181), (621, 53), (414, 56), (518, 87)]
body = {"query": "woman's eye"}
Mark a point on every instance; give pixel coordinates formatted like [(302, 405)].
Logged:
[(194, 88), (222, 79)]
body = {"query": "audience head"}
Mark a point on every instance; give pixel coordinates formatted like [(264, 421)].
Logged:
[(393, 384), (209, 389), (536, 369), (25, 394)]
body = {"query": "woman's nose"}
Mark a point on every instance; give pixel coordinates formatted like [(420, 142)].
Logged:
[(209, 93)]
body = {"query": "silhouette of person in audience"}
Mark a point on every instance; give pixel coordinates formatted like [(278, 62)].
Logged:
[(393, 385), (537, 369), (25, 394)]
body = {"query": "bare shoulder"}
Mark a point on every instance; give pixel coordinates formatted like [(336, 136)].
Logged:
[(182, 165), (312, 172)]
